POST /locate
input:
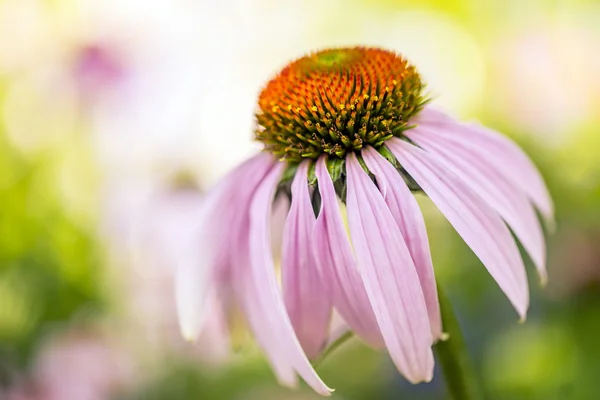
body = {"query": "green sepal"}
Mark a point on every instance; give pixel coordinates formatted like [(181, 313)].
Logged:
[(363, 164), (387, 154), (335, 167), (410, 182), (289, 172), (312, 176)]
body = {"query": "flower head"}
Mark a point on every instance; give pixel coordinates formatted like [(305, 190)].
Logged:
[(338, 101), (352, 125)]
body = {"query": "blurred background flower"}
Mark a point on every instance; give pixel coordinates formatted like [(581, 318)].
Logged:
[(115, 116), (77, 364)]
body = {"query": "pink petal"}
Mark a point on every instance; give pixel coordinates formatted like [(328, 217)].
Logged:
[(215, 333), (192, 294), (199, 262), (480, 227), (235, 256), (485, 180), (306, 298), (259, 322), (247, 295), (242, 283), (507, 158), (336, 263), (389, 275), (268, 340), (407, 214), (269, 303)]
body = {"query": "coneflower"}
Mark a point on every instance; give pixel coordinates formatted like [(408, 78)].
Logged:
[(352, 126)]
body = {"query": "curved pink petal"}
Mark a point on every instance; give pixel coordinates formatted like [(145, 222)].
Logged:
[(501, 152), (407, 214), (269, 303), (193, 292), (224, 241), (246, 291), (306, 298), (259, 323), (235, 256), (480, 227), (491, 186), (389, 275), (202, 260), (336, 263), (215, 339)]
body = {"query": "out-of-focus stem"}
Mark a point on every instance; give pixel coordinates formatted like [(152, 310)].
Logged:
[(461, 381), (333, 346)]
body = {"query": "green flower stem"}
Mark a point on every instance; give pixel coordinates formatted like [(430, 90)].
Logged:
[(461, 381), (332, 347), (452, 355)]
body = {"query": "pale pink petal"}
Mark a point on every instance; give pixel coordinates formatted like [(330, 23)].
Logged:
[(193, 291), (431, 115), (306, 298), (389, 275), (498, 150), (407, 214), (267, 339), (269, 300), (336, 263), (484, 179), (480, 226), (199, 261), (239, 275), (215, 340)]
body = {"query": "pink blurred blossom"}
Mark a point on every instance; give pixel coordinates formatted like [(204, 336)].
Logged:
[(78, 365), (546, 80)]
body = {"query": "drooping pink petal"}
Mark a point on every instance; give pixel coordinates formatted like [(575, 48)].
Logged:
[(407, 214), (269, 302), (235, 256), (268, 340), (245, 289), (216, 333), (306, 298), (512, 205), (192, 294), (389, 275), (336, 263), (200, 261), (238, 274), (480, 226), (501, 152)]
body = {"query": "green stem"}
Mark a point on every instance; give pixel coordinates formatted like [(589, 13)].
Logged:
[(452, 355), (332, 347)]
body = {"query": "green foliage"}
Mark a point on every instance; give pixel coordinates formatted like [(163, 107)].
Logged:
[(49, 266)]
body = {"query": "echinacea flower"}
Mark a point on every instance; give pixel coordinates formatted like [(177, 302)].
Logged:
[(352, 125)]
